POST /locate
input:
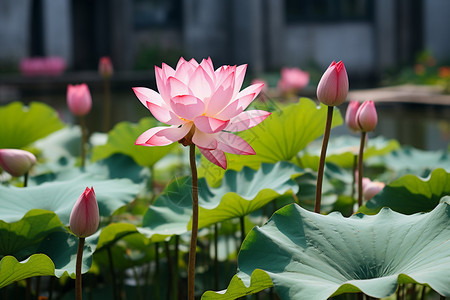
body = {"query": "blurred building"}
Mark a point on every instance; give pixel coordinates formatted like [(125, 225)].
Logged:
[(368, 35)]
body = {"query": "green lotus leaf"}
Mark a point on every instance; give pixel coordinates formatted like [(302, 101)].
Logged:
[(371, 254), (244, 192), (22, 125), (62, 248), (21, 238), (342, 150), (411, 194), (61, 196), (240, 194), (121, 139), (278, 138), (414, 161), (12, 270)]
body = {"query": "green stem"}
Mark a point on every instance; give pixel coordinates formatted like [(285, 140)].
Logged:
[(78, 288), (83, 141), (323, 153), (107, 106), (193, 245), (176, 268), (157, 273), (355, 165), (28, 289), (360, 168)]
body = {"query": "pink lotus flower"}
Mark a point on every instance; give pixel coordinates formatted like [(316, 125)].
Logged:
[(79, 99), (350, 116), (203, 106), (366, 116), (333, 86), (16, 162), (292, 80), (105, 67), (85, 216)]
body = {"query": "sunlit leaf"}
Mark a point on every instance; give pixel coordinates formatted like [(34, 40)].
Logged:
[(21, 125), (278, 138)]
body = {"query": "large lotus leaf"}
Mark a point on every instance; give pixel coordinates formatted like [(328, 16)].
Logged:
[(121, 139), (12, 270), (342, 150), (244, 192), (411, 160), (411, 194), (60, 196), (62, 248), (22, 125), (280, 137), (21, 238), (313, 256)]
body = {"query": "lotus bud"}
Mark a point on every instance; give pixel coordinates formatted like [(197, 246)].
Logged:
[(84, 217), (292, 80), (366, 116), (16, 162), (333, 86), (105, 67), (350, 115), (79, 99)]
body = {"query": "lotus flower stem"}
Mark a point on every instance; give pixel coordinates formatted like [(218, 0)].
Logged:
[(113, 273), (157, 273), (175, 273), (107, 105), (360, 168), (78, 289), (83, 141), (323, 153), (193, 246)]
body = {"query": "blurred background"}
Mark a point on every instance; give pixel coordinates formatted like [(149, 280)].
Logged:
[(382, 43)]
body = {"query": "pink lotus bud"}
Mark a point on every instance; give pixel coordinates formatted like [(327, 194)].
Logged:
[(79, 99), (350, 115), (16, 162), (292, 80), (105, 67), (371, 188), (366, 116), (333, 86), (84, 217)]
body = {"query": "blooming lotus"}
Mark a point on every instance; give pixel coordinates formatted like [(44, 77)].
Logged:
[(203, 106)]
